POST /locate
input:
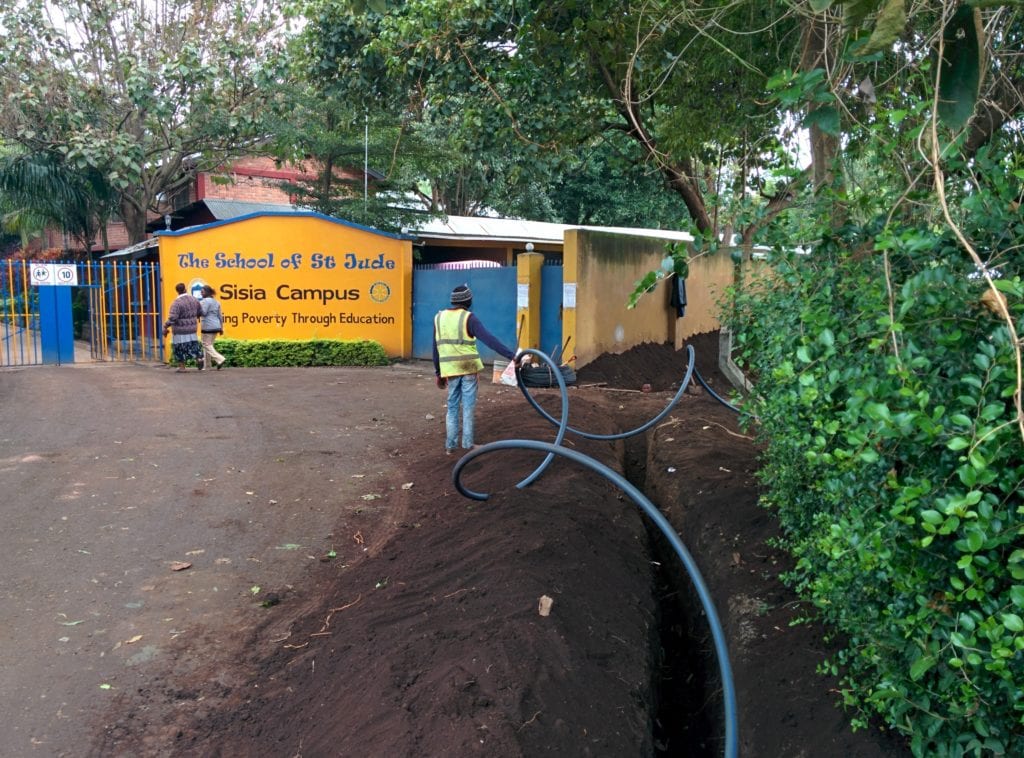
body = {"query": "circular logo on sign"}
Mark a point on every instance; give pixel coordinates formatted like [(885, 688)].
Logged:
[(380, 292)]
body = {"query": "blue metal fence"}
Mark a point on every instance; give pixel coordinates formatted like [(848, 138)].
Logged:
[(19, 316), (124, 310)]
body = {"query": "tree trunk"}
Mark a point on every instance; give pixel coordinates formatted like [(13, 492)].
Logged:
[(326, 175), (134, 221), (816, 54), (681, 182), (679, 174)]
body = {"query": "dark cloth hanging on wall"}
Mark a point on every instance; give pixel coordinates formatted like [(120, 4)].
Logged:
[(678, 298)]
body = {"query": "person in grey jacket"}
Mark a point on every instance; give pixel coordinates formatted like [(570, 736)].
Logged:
[(211, 325)]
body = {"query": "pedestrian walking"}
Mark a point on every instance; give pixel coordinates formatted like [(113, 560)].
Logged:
[(182, 322), (212, 324)]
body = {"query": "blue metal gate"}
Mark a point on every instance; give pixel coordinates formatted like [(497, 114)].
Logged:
[(494, 301), (551, 312), (19, 316), (100, 311), (124, 310)]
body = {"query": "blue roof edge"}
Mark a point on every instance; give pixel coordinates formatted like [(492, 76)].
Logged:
[(259, 214)]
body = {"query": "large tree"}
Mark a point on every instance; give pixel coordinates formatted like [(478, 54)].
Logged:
[(414, 168), (426, 160), (686, 82), (551, 77), (142, 92)]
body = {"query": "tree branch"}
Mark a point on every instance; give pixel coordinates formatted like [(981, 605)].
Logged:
[(991, 115), (678, 175)]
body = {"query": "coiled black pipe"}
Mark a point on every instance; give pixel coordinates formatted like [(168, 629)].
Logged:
[(691, 370), (623, 435), (552, 449)]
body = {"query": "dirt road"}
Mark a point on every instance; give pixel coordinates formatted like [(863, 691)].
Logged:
[(114, 475)]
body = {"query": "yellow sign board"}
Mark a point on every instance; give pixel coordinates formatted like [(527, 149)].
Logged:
[(296, 277)]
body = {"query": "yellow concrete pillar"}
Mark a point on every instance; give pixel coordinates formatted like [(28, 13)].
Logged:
[(528, 273), (570, 272)]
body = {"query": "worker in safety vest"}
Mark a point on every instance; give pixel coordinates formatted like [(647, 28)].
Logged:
[(457, 363)]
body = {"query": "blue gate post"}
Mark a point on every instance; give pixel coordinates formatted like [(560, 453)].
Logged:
[(56, 327), (551, 314)]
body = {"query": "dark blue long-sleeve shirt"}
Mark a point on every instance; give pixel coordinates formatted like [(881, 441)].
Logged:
[(476, 329)]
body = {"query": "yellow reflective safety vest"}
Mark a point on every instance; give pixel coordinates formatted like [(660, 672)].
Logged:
[(456, 350)]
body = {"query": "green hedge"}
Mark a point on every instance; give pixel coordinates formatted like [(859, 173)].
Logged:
[(252, 353), (896, 468)]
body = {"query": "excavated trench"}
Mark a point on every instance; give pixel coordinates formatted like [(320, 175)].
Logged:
[(692, 710), (686, 716)]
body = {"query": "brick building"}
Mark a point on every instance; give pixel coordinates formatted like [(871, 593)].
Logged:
[(248, 180), (252, 180)]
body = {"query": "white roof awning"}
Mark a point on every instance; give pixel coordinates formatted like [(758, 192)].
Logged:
[(519, 230)]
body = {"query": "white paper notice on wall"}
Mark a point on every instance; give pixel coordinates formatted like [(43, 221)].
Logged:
[(569, 295), (522, 296)]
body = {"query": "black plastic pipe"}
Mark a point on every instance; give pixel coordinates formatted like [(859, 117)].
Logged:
[(552, 449), (717, 633)]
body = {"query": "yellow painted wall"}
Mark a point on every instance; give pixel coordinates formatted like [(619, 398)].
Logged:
[(710, 275), (599, 273), (297, 277), (607, 267)]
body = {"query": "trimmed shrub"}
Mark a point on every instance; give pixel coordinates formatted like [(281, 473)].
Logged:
[(252, 353)]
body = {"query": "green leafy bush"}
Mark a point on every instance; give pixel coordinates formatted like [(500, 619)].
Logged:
[(896, 467), (251, 353)]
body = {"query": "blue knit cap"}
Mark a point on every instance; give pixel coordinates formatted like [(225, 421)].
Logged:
[(462, 295)]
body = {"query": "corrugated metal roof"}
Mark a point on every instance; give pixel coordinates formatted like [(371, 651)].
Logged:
[(227, 209), (494, 229), (133, 252), (668, 234)]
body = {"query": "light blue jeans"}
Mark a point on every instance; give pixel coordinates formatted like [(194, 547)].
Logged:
[(461, 391)]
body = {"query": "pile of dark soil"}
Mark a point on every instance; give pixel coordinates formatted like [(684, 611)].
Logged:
[(657, 365), (432, 642)]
